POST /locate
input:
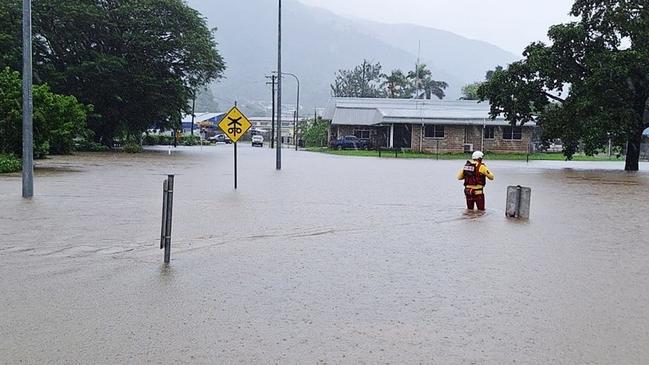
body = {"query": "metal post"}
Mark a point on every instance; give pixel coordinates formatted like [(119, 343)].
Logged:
[(163, 230), (272, 114), (278, 162), (295, 129), (235, 165), (193, 111), (28, 104), (167, 217)]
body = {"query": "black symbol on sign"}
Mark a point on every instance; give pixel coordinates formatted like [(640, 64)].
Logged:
[(234, 126)]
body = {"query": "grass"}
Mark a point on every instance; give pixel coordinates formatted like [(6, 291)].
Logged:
[(9, 163), (550, 156)]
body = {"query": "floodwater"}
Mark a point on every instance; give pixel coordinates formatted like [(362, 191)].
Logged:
[(333, 260)]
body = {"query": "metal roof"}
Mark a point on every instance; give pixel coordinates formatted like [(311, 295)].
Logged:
[(203, 117), (362, 111)]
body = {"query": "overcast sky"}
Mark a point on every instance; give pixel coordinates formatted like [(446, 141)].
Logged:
[(510, 24)]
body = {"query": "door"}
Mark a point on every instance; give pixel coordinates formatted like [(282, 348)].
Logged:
[(402, 136)]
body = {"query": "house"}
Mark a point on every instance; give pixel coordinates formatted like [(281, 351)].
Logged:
[(426, 125)]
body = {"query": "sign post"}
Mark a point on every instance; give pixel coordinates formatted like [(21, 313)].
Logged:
[(235, 125)]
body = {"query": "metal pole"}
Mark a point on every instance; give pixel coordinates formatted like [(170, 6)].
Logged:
[(295, 129), (235, 165), (297, 110), (28, 104), (272, 130), (170, 203), (278, 162), (193, 111), (163, 229)]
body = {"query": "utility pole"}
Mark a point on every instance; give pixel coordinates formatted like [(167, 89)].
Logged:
[(28, 104), (278, 162), (272, 114)]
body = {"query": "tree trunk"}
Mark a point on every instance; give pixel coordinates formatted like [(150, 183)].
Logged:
[(633, 144), (633, 152)]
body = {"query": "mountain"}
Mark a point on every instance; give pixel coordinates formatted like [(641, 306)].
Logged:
[(317, 43)]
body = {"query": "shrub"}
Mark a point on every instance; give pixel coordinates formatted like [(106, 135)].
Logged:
[(9, 163), (58, 119), (132, 147)]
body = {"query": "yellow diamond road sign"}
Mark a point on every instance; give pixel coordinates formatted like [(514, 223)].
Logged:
[(235, 124)]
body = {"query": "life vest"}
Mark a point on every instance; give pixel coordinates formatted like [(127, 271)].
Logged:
[(472, 175)]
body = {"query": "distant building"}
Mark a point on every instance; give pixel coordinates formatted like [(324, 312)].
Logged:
[(264, 126), (206, 121), (426, 125)]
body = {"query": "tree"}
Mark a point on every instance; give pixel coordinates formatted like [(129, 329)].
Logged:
[(422, 80), (364, 81), (136, 61), (490, 74), (205, 101), (58, 119), (590, 84), (470, 91), (396, 85), (314, 132)]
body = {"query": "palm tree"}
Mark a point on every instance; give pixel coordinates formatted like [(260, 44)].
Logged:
[(395, 83), (422, 80)]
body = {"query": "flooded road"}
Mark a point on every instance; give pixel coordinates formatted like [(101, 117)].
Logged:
[(334, 260)]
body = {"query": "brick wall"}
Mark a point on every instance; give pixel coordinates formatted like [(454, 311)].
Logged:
[(455, 136)]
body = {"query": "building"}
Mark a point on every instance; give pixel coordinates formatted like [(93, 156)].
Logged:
[(426, 125), (264, 126)]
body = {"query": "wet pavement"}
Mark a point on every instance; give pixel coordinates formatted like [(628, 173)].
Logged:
[(334, 260)]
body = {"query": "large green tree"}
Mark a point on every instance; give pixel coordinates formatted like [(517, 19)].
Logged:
[(363, 81), (590, 84), (136, 61)]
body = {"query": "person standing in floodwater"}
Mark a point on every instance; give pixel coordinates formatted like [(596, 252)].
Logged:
[(475, 175)]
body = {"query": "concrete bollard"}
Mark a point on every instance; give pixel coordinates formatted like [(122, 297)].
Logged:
[(518, 202)]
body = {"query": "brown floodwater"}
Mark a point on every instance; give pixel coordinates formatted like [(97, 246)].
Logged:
[(333, 260)]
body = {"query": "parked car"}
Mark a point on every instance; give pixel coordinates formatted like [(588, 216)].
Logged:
[(220, 138), (257, 140), (350, 142)]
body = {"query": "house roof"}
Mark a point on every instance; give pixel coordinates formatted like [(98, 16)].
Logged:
[(371, 112)]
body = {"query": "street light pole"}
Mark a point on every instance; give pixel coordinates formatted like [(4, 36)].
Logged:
[(297, 108), (28, 104), (278, 162)]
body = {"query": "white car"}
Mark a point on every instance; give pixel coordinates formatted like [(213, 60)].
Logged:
[(257, 140)]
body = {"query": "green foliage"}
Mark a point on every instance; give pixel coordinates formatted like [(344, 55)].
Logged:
[(9, 163), (396, 84), (132, 147), (364, 81), (470, 91), (367, 81), (590, 84), (58, 119), (315, 133), (422, 80), (137, 61)]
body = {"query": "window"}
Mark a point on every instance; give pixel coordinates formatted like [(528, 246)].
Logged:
[(362, 134), (489, 132), (512, 133), (434, 131)]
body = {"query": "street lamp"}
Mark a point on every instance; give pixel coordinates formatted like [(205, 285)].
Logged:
[(28, 104), (297, 107)]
